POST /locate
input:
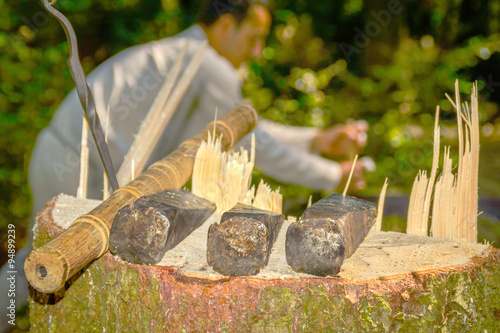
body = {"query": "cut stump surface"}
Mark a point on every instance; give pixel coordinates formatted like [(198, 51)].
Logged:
[(393, 282)]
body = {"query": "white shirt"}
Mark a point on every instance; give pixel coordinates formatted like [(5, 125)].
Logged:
[(127, 85)]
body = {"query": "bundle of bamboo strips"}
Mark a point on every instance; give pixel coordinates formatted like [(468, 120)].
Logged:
[(225, 178), (159, 114), (454, 211)]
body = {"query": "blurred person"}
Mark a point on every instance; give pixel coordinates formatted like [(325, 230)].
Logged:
[(127, 85)]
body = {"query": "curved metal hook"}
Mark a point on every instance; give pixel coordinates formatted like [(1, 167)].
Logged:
[(75, 65), (84, 92)]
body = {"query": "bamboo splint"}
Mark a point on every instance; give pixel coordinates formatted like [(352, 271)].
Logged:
[(159, 114), (50, 266)]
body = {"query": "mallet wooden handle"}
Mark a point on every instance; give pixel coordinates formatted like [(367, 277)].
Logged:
[(50, 266)]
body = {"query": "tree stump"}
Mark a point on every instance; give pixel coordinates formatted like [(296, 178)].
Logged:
[(393, 282)]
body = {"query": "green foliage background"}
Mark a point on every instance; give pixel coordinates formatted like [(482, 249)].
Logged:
[(393, 77)]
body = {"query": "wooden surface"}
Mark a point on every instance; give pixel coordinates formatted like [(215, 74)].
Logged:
[(382, 254)]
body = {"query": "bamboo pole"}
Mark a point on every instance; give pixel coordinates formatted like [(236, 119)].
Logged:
[(50, 266)]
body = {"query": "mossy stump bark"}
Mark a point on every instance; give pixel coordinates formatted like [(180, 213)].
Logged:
[(110, 295)]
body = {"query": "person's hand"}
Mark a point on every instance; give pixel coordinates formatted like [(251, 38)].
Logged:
[(342, 140), (357, 181)]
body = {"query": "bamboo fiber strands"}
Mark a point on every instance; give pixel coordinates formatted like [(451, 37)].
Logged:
[(455, 203), (225, 178)]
